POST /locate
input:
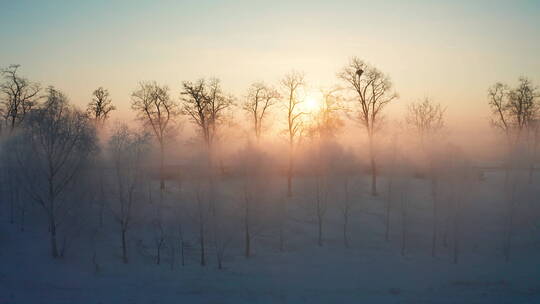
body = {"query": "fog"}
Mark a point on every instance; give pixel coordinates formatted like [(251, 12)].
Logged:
[(285, 191)]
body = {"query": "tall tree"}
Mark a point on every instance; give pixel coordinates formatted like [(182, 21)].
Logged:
[(515, 113), (18, 96), (127, 151), (54, 147), (291, 85), (514, 109), (159, 112), (427, 120), (205, 103), (259, 99), (373, 91), (323, 126)]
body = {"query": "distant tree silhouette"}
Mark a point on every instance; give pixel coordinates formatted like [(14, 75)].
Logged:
[(427, 121), (100, 106), (18, 96), (291, 84), (157, 111), (259, 99), (373, 91), (127, 152), (54, 147)]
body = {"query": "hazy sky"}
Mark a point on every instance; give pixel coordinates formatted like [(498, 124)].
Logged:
[(450, 51)]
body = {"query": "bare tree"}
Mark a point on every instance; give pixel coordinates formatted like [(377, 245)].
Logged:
[(523, 105), (205, 104), (513, 109), (127, 150), (98, 111), (514, 112), (291, 84), (373, 91), (18, 96), (100, 106), (158, 111), (323, 127), (259, 99), (54, 147), (427, 121)]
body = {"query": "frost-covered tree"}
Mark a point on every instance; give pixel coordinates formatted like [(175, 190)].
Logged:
[(53, 149), (128, 150)]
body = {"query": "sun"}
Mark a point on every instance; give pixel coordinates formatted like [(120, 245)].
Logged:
[(311, 103)]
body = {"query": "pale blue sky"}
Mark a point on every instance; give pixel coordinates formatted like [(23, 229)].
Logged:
[(448, 50)]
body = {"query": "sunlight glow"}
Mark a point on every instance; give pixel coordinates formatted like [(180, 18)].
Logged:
[(312, 103)]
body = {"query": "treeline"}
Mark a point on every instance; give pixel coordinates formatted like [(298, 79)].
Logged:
[(53, 161)]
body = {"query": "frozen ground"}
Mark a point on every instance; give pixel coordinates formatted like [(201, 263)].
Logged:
[(371, 271)]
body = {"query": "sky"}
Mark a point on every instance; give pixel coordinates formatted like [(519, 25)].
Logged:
[(450, 51)]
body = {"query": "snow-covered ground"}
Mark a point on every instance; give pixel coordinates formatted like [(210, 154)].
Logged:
[(371, 271)]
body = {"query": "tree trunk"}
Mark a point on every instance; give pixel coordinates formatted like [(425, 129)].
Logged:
[(181, 237), (102, 197), (289, 175), (456, 241), (54, 246), (220, 264), (509, 232), (161, 166), (289, 183), (346, 214), (158, 249), (281, 237), (456, 233), (101, 209), (124, 247), (248, 236), (345, 235), (282, 222), (435, 222), (388, 209), (23, 213), (182, 253), (11, 208), (373, 166), (404, 224), (173, 256), (434, 236), (320, 231), (201, 239)]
